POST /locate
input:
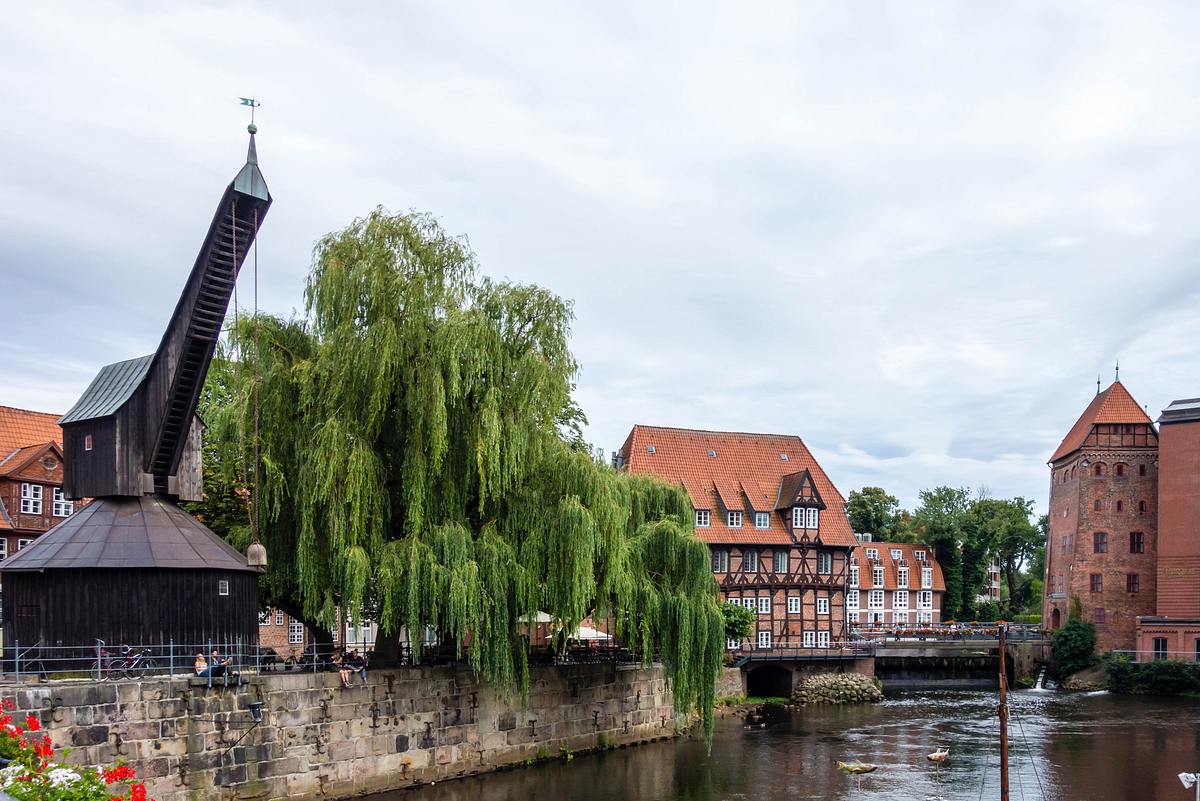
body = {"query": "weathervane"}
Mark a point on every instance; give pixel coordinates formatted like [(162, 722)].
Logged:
[(1117, 374), (253, 104)]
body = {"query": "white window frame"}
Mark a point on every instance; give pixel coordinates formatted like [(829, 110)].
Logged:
[(875, 600), (813, 518), (822, 606), (852, 599), (223, 587), (852, 616), (824, 563), (775, 557), (3, 548), (764, 639), (762, 519), (925, 617), (797, 517), (822, 639), (31, 499), (720, 560), (877, 576), (733, 519), (279, 618), (703, 518), (61, 506), (925, 599), (920, 556), (875, 618), (749, 561), (732, 645), (900, 616), (872, 553), (926, 578), (764, 604), (793, 604), (900, 599), (896, 554), (810, 639), (853, 575), (902, 577), (23, 541), (264, 617), (295, 632)]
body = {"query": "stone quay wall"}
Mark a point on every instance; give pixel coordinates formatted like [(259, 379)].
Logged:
[(405, 726)]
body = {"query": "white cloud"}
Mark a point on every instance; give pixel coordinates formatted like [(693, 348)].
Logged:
[(909, 233)]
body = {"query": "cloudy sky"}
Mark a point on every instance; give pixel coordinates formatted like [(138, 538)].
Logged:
[(912, 233)]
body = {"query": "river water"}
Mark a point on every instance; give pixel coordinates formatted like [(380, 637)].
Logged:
[(1064, 747)]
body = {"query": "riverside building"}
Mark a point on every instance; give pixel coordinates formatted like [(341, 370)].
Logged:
[(776, 524)]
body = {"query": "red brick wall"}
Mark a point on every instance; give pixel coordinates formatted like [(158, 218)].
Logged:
[(1074, 521), (1179, 520)]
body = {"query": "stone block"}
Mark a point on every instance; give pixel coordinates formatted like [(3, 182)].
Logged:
[(89, 735)]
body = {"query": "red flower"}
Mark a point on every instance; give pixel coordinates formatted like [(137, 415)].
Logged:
[(137, 792), (32, 723), (119, 773), (7, 703)]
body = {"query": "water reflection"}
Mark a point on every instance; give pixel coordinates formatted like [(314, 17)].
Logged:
[(1065, 747)]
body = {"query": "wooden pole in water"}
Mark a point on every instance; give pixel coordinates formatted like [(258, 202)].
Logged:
[(1003, 722)]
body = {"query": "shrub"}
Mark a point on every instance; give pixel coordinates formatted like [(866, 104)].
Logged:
[(1074, 645), (739, 621), (1161, 677)]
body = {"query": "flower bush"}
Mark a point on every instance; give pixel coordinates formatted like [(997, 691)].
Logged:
[(32, 775)]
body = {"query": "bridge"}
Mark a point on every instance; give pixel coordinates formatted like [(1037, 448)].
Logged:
[(941, 658)]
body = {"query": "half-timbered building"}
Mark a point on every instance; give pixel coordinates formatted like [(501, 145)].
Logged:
[(781, 543), (31, 478)]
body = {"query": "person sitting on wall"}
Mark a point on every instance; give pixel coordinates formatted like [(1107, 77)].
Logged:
[(342, 662), (357, 664), (219, 665), (204, 669)]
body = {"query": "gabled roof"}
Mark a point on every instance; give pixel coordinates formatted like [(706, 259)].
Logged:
[(109, 390), (147, 531), (750, 466), (18, 460), (890, 567), (1113, 405), (21, 428)]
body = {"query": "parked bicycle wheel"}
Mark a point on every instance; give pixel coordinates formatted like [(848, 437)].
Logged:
[(290, 663), (99, 669), (148, 667)]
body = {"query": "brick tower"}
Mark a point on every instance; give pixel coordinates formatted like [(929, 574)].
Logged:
[(1103, 519)]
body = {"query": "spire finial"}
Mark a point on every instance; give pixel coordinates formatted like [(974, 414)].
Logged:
[(1097, 383), (1117, 371)]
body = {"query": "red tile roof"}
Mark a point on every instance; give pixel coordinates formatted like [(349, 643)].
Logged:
[(5, 522), (1113, 405), (745, 470), (21, 428), (908, 552)]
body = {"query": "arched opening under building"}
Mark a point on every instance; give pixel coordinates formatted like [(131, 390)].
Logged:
[(1055, 619), (769, 681)]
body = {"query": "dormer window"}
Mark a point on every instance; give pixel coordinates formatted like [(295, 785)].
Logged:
[(927, 577), (31, 499), (872, 553), (797, 517), (703, 518), (896, 554), (920, 556), (814, 515), (762, 519), (733, 519)]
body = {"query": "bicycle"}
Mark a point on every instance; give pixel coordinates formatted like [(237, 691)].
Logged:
[(130, 664)]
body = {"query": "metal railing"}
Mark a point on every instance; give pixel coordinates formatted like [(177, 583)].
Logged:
[(227, 663), (790, 651), (1152, 655)]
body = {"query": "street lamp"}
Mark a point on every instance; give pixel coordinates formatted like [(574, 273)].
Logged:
[(1190, 780)]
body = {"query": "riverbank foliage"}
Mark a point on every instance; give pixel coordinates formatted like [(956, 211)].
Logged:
[(1160, 677), (420, 462), (1074, 645)]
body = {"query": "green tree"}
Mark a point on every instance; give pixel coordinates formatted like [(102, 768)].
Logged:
[(942, 516), (739, 621), (419, 459), (871, 510), (1074, 645)]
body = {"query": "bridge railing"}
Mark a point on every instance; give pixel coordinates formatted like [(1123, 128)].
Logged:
[(1159, 656), (779, 652)]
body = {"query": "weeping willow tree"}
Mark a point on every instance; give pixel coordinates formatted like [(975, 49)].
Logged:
[(419, 462)]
